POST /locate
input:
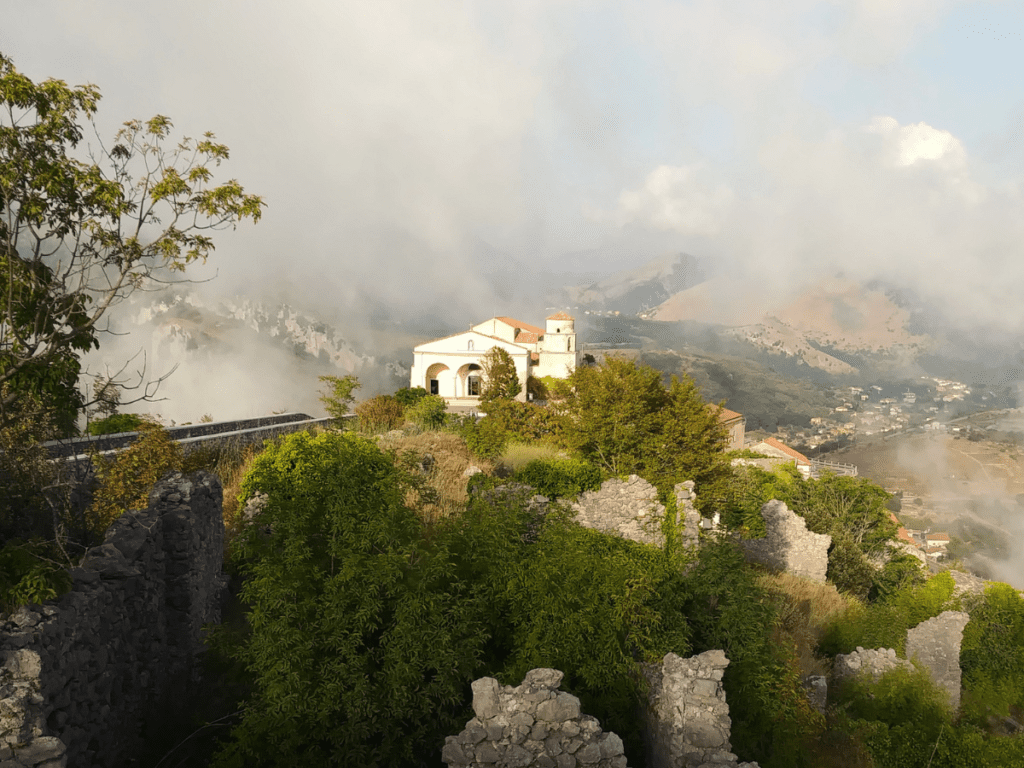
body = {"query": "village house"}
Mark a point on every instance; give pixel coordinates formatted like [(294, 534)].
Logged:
[(452, 366), (776, 449), (736, 424)]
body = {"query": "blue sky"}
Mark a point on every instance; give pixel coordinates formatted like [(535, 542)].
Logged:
[(774, 139)]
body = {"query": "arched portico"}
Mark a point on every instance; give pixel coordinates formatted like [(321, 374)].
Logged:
[(439, 380), (469, 381)]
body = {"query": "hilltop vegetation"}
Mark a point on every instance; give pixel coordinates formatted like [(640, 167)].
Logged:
[(370, 610)]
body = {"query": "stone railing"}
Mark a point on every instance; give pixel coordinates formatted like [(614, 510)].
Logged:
[(81, 675)]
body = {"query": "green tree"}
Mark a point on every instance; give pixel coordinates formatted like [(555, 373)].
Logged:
[(77, 237), (339, 398), (501, 380), (362, 640), (409, 396), (622, 418)]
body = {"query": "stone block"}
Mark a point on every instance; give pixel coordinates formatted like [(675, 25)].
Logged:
[(565, 706)]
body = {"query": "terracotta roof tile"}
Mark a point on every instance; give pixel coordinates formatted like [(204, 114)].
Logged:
[(520, 324), (727, 415), (526, 337), (786, 449), (560, 316)]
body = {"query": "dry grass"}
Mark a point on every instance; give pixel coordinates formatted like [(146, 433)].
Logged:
[(445, 480), (806, 607), (518, 455)]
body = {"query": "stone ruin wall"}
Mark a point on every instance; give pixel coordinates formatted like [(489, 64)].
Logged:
[(688, 724), (79, 674), (532, 724), (788, 545), (934, 644), (630, 509)]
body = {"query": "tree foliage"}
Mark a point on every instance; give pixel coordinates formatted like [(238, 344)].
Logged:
[(623, 419), (338, 398), (77, 236), (126, 479), (361, 641), (501, 380)]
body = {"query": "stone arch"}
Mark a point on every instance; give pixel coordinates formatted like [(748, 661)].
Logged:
[(469, 380), (439, 380)]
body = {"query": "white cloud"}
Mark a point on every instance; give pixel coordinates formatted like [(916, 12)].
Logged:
[(676, 199)]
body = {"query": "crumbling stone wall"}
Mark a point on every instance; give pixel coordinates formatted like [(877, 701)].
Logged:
[(688, 717), (80, 675), (936, 645), (788, 545), (532, 724), (872, 662), (686, 511), (626, 508)]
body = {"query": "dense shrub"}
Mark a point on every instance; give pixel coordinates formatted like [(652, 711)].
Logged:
[(379, 414), (992, 655), (728, 609), (560, 478), (28, 574), (115, 423), (485, 438), (885, 624), (126, 479), (409, 396), (427, 412), (362, 639)]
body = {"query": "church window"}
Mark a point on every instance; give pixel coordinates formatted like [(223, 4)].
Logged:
[(473, 386), (469, 345), (434, 389)]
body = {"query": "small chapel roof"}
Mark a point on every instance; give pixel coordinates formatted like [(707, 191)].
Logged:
[(526, 337), (560, 316)]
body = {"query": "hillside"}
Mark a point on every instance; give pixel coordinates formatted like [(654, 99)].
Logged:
[(639, 289)]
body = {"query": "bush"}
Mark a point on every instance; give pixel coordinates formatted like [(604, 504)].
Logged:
[(992, 655), (408, 397), (485, 438), (560, 478), (363, 641), (115, 423), (379, 414), (885, 624), (126, 479), (427, 412), (29, 576)]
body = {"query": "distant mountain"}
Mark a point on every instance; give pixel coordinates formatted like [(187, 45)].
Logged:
[(239, 357), (833, 325), (639, 289)]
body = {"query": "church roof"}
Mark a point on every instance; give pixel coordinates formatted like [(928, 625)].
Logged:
[(520, 324), (560, 316), (526, 337)]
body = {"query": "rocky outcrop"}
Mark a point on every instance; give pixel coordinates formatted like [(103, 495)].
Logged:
[(935, 644), (532, 724), (81, 675), (626, 508), (788, 545), (688, 718)]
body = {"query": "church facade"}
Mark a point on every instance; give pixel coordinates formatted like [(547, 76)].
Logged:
[(451, 366)]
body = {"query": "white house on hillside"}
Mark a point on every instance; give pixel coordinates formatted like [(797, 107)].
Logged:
[(451, 366)]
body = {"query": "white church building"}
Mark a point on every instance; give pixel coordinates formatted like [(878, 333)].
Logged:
[(451, 366)]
